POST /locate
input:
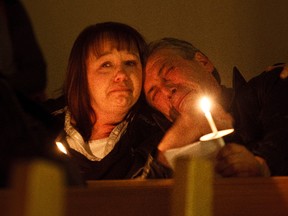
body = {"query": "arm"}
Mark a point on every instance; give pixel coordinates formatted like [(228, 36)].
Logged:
[(192, 124), (261, 112)]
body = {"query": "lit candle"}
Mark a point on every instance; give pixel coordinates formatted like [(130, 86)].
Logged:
[(205, 105), (61, 147)]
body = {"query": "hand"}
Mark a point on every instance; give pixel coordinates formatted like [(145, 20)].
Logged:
[(190, 109), (187, 129), (235, 160), (191, 123), (284, 73)]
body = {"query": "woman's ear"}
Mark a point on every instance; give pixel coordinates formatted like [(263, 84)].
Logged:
[(204, 61)]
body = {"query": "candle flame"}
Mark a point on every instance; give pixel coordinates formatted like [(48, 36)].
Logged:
[(61, 147), (205, 104)]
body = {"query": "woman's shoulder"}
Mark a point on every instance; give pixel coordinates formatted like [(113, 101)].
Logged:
[(53, 105), (57, 109)]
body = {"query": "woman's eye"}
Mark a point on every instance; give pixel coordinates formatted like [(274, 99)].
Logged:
[(131, 63), (106, 64)]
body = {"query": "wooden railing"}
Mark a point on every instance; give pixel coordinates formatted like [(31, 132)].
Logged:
[(37, 189), (232, 197)]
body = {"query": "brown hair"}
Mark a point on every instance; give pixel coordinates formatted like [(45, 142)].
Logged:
[(92, 38)]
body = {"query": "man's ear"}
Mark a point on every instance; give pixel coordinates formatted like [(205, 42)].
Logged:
[(204, 61)]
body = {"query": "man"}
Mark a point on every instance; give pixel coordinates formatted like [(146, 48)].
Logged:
[(177, 75)]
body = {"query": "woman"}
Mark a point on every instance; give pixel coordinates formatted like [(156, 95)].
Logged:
[(108, 132)]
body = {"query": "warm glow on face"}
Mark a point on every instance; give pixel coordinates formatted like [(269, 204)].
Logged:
[(205, 104), (61, 147)]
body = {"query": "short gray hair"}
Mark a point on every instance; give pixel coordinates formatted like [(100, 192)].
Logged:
[(186, 50)]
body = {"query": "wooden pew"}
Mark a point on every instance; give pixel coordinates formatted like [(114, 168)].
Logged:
[(232, 197), (4, 202), (137, 198), (251, 196)]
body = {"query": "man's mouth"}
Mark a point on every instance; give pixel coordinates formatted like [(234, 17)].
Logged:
[(177, 102)]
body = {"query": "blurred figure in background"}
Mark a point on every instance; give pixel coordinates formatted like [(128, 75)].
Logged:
[(21, 60), (27, 130)]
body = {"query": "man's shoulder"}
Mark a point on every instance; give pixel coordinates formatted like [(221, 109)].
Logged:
[(265, 81), (264, 90), (268, 76), (269, 83)]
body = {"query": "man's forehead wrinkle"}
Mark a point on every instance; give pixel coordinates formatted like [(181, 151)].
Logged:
[(151, 66), (160, 71), (153, 71), (158, 63)]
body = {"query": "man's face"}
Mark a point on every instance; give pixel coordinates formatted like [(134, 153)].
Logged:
[(170, 80)]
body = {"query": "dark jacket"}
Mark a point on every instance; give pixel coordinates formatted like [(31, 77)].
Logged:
[(131, 155), (260, 111)]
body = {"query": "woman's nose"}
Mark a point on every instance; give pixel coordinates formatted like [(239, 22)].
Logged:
[(121, 75)]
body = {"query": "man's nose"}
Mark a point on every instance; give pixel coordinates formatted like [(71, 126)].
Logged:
[(169, 90)]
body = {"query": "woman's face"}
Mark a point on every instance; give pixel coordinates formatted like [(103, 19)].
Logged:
[(114, 80)]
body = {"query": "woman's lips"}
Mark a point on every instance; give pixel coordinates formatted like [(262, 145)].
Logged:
[(121, 89)]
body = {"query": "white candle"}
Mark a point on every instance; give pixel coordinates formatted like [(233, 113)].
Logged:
[(205, 105)]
